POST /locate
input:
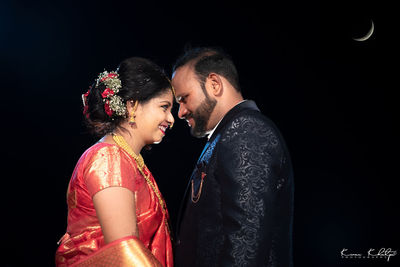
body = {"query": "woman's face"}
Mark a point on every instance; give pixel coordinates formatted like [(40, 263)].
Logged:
[(154, 117)]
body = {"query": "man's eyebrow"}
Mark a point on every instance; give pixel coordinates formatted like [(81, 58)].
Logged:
[(178, 99)]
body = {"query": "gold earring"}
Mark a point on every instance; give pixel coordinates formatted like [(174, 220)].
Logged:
[(132, 114), (132, 118)]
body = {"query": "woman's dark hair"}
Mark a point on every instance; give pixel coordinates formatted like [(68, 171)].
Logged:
[(141, 80), (209, 59)]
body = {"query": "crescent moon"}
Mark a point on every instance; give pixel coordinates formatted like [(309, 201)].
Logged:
[(368, 35)]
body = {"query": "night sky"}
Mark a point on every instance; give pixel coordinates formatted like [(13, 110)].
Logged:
[(333, 99)]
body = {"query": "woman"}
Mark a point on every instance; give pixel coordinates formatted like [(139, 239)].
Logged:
[(116, 214)]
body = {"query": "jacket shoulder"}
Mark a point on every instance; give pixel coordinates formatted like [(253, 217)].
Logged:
[(251, 124)]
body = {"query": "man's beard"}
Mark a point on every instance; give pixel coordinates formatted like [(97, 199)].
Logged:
[(201, 116)]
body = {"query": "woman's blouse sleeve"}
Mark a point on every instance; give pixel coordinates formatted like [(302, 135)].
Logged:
[(109, 166)]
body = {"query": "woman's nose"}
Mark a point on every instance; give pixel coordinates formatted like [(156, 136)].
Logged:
[(171, 118)]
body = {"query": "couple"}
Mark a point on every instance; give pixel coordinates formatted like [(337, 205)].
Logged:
[(238, 207)]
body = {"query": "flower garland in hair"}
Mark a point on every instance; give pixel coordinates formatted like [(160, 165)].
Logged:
[(113, 104)]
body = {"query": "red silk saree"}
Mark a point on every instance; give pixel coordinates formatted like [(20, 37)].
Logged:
[(101, 166)]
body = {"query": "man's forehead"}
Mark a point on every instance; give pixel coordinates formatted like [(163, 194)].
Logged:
[(183, 72), (182, 79), (173, 75)]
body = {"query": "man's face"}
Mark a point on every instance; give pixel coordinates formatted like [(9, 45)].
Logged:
[(195, 106)]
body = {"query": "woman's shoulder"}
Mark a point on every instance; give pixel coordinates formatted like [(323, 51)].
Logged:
[(106, 165), (101, 150)]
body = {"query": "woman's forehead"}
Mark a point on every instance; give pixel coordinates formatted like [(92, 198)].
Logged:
[(164, 96)]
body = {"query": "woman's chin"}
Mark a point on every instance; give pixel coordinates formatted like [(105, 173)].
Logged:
[(158, 141)]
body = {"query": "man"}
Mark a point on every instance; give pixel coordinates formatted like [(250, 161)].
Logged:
[(238, 207)]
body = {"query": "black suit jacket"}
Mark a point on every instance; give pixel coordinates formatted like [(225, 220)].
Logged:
[(244, 210)]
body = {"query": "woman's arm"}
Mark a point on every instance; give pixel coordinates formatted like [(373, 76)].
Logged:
[(116, 211)]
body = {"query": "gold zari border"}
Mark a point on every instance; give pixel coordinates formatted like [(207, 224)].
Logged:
[(128, 252)]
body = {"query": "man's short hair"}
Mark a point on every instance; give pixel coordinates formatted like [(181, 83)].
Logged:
[(206, 60)]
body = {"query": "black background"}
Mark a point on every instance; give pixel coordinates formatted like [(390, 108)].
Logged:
[(333, 99)]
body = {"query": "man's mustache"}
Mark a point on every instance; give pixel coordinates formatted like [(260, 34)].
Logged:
[(188, 116)]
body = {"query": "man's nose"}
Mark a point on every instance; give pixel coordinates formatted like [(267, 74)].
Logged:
[(182, 111)]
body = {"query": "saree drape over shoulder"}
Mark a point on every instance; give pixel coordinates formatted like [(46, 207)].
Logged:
[(101, 166)]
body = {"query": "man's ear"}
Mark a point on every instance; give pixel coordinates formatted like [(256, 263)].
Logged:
[(214, 84)]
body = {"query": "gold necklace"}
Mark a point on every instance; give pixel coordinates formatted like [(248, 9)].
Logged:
[(124, 145), (121, 142)]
